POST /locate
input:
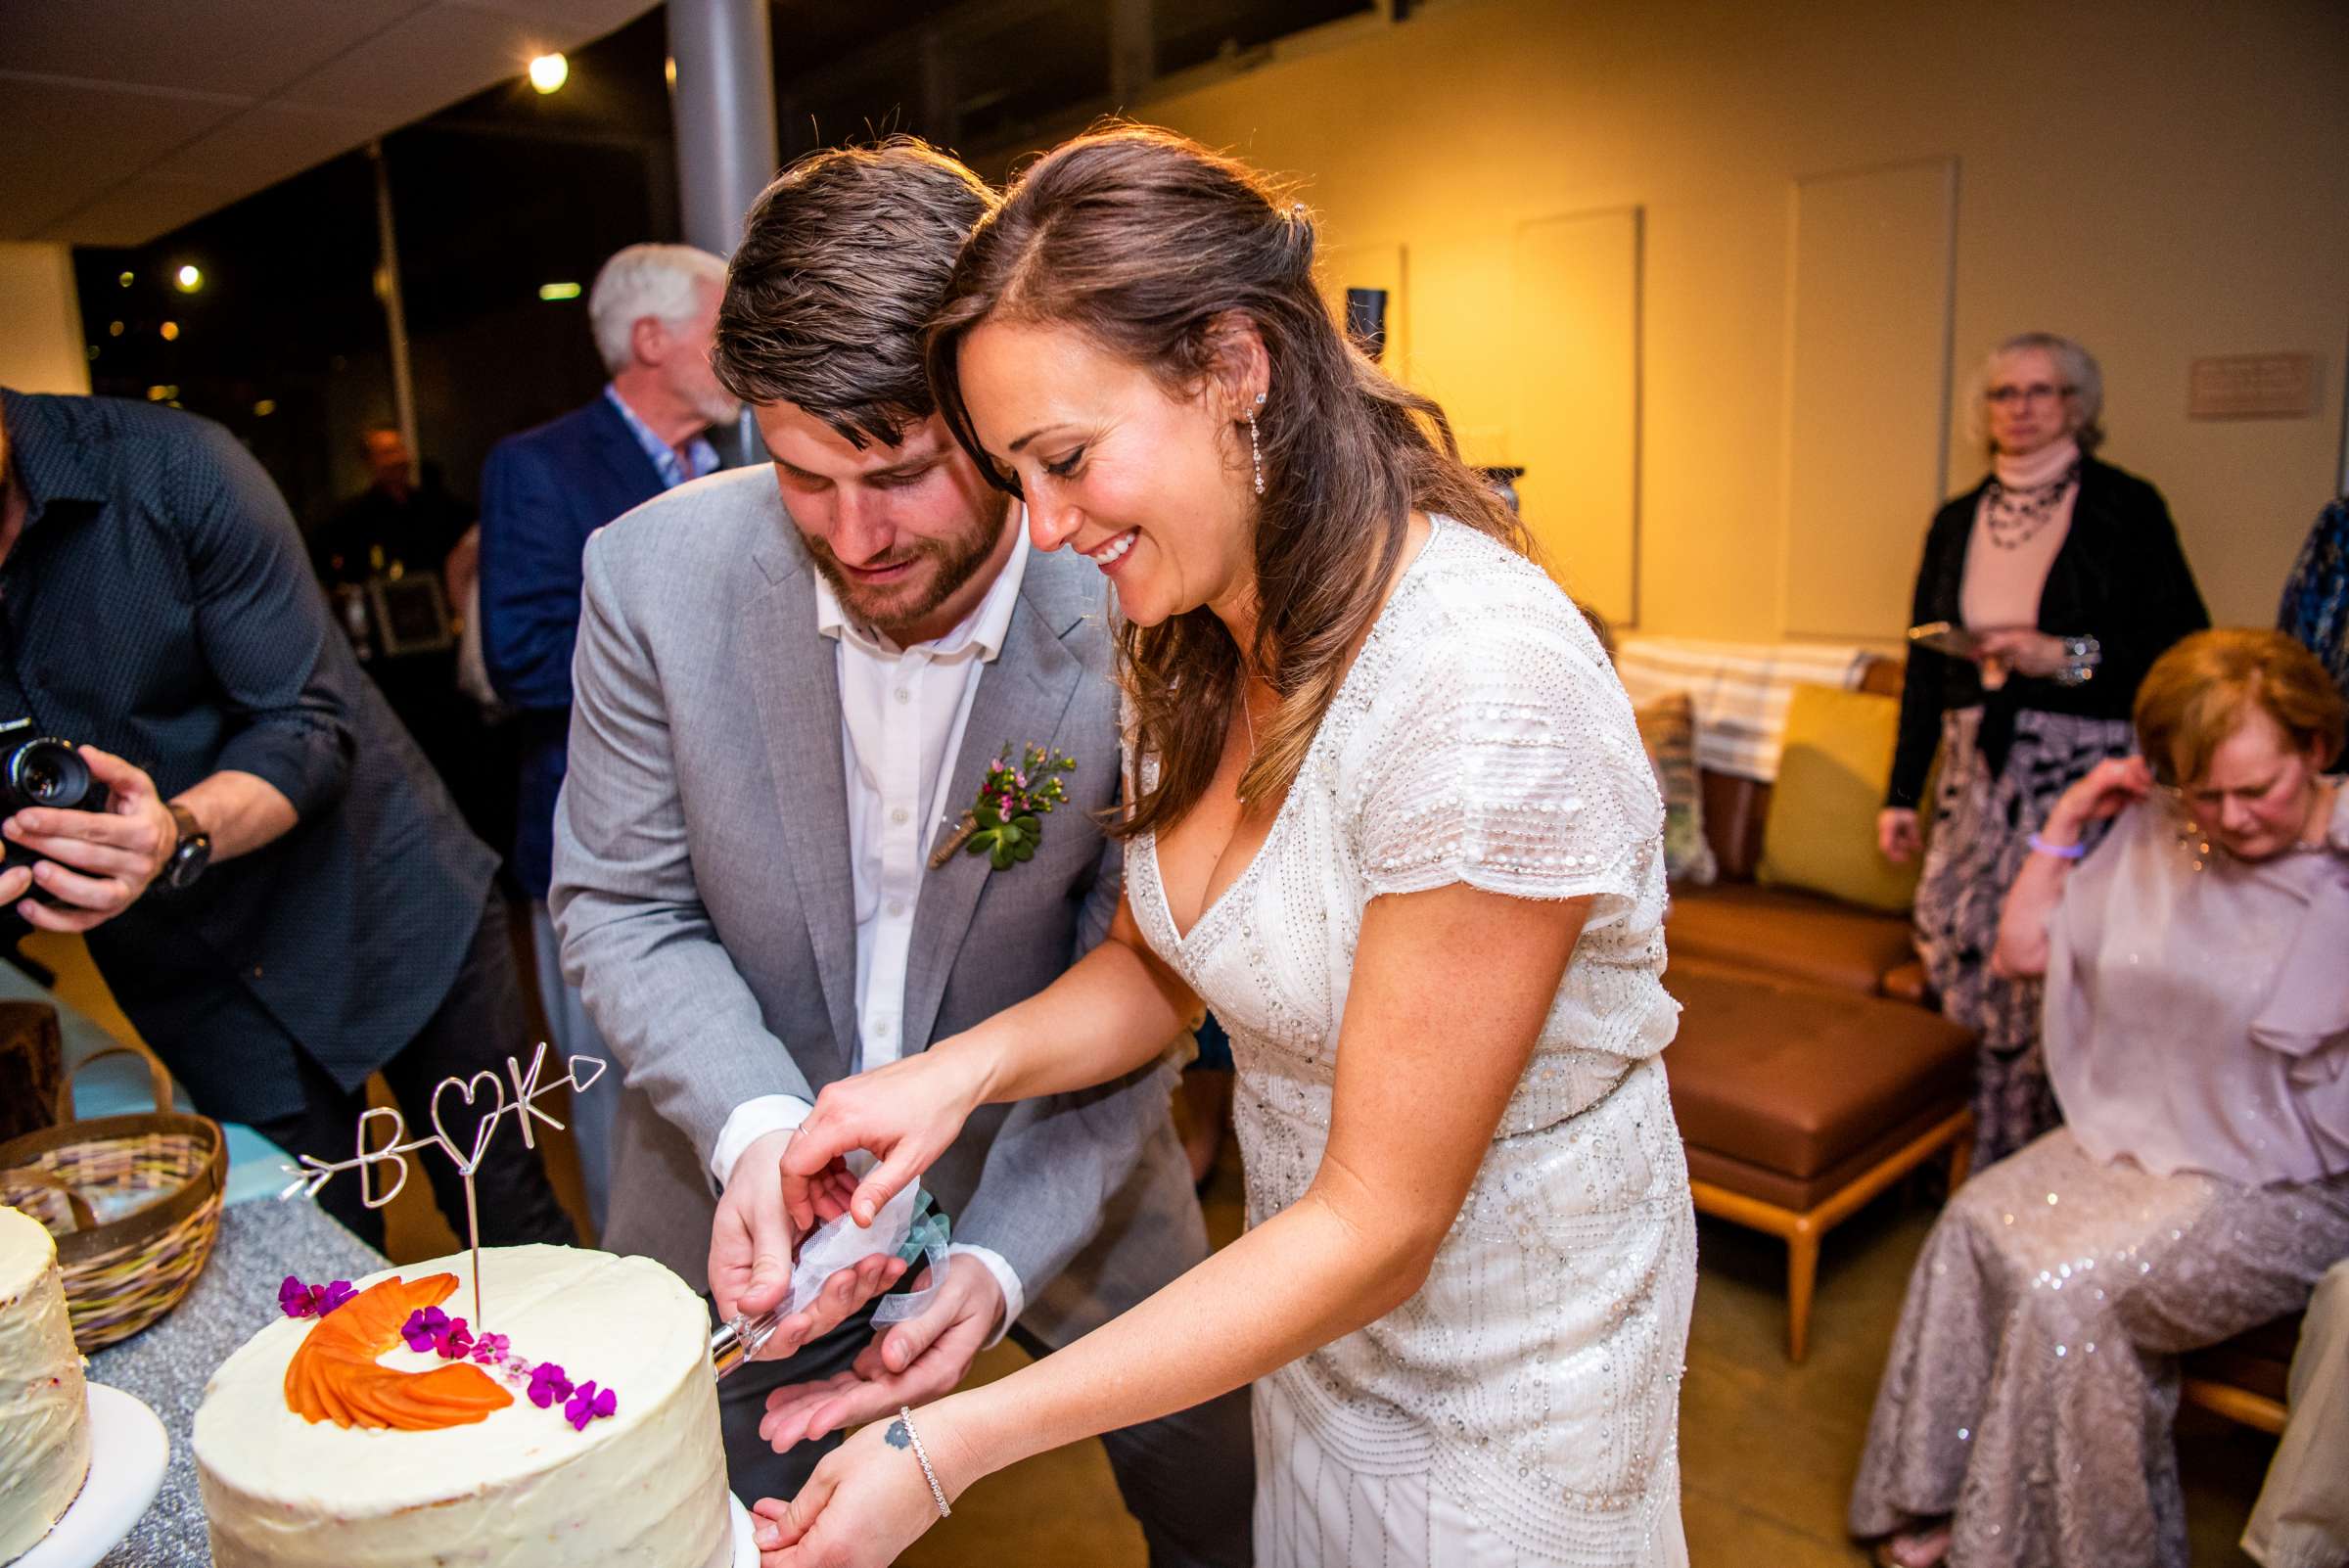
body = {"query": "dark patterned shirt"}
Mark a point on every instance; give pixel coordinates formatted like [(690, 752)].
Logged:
[(159, 605), (2316, 596)]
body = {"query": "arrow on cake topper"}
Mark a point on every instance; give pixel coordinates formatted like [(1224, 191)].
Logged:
[(312, 1173)]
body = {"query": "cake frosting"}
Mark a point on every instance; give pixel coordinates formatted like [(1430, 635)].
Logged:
[(44, 1410), (516, 1486)]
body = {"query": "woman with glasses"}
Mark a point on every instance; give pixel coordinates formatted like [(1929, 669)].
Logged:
[(2197, 1037), (2060, 579)]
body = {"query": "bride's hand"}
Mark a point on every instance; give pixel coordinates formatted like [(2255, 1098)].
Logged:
[(866, 1502), (905, 1114)]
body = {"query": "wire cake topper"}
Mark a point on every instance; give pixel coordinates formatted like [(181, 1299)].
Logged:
[(311, 1172)]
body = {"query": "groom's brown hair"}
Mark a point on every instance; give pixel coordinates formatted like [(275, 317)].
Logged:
[(842, 261)]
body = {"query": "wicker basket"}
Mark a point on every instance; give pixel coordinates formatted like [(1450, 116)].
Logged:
[(121, 1274)]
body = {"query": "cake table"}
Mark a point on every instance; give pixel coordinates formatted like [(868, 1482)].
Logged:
[(167, 1365)]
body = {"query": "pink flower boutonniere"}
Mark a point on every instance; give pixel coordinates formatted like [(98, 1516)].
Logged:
[(1005, 822)]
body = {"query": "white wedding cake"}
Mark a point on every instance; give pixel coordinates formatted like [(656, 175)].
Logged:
[(44, 1411), (577, 1424)]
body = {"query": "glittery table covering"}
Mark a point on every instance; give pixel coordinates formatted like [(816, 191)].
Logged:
[(169, 1365)]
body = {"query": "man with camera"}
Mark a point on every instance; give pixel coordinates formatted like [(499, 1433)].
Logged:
[(195, 773)]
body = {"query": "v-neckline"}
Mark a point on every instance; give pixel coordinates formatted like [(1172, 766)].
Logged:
[(1208, 911)]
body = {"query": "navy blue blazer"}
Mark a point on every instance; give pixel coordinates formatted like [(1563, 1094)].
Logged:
[(543, 491)]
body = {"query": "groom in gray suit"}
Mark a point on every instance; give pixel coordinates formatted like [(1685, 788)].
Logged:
[(788, 685)]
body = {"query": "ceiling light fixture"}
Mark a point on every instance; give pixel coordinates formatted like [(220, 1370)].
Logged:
[(548, 73)]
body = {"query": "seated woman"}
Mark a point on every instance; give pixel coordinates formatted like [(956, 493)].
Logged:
[(2197, 1036)]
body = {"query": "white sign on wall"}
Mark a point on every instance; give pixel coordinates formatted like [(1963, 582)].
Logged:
[(2252, 387)]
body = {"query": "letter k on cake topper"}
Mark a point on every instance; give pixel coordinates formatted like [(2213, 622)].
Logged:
[(312, 1173)]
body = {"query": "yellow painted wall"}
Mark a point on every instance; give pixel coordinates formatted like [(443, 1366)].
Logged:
[(2160, 180), (41, 349)]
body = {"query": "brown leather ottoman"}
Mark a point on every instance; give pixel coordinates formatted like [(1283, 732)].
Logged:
[(1799, 1103), (1779, 934)]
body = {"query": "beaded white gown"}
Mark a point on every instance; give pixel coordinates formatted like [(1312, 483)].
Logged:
[(1522, 1406)]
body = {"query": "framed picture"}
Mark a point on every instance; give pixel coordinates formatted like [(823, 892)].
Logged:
[(411, 615)]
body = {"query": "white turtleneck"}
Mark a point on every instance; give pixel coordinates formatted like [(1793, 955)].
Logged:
[(2003, 586)]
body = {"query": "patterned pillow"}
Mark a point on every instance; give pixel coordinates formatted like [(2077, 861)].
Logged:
[(1668, 729)]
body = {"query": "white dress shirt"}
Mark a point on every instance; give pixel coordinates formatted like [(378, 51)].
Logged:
[(902, 715)]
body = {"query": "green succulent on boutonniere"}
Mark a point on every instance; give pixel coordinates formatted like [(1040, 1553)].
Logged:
[(1005, 822)]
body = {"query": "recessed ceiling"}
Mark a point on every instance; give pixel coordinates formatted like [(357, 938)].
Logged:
[(127, 118)]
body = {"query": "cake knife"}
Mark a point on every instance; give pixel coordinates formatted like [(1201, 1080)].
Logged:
[(743, 1336)]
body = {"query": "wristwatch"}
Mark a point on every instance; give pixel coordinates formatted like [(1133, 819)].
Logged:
[(191, 856)]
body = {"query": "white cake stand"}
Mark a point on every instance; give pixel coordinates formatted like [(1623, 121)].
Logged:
[(127, 1453), (745, 1547)]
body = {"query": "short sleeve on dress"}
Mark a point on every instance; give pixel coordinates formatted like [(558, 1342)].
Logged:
[(1501, 752)]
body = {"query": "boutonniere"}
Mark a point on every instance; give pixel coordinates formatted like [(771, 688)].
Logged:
[(1004, 822)]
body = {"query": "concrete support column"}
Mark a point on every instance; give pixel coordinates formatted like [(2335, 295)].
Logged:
[(723, 101)]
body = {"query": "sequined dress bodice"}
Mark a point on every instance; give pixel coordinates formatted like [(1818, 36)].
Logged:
[(1480, 737)]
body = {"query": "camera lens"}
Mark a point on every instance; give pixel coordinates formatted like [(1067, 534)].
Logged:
[(49, 773)]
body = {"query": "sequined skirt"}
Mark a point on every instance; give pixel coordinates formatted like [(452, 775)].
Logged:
[(2033, 1379)]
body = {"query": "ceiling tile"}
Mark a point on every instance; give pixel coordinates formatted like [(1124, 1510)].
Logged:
[(263, 145), (250, 48), (137, 211), (424, 65), (574, 21), (65, 144)]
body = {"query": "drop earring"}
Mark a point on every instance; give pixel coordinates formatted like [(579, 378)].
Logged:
[(1256, 450)]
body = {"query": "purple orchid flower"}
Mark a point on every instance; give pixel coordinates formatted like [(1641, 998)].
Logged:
[(588, 1404), (424, 1327), (298, 1300), (454, 1342), (548, 1384)]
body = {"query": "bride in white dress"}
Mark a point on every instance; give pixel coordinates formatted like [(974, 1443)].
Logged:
[(1389, 819)]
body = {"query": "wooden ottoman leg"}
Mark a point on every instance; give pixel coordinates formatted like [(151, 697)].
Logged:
[(1802, 1270)]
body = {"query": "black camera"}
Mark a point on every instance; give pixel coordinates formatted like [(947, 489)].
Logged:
[(43, 772)]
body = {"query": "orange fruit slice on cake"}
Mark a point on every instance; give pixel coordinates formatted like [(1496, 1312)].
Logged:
[(334, 1375)]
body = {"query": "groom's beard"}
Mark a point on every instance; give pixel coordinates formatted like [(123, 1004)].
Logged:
[(941, 568)]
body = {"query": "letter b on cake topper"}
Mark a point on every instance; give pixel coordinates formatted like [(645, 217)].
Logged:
[(312, 1173)]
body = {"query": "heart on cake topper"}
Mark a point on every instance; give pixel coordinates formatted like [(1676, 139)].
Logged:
[(310, 1173), (483, 1130)]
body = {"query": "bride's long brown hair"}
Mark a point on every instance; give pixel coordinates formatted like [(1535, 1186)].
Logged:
[(1149, 243)]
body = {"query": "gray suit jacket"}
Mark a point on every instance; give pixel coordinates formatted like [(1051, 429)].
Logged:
[(702, 891)]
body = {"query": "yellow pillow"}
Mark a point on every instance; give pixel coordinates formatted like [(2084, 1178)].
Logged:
[(1821, 834)]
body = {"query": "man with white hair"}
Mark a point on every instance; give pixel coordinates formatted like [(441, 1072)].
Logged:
[(654, 308)]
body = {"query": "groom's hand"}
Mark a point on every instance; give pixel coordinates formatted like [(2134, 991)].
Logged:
[(753, 1241), (752, 1245), (911, 1363)]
